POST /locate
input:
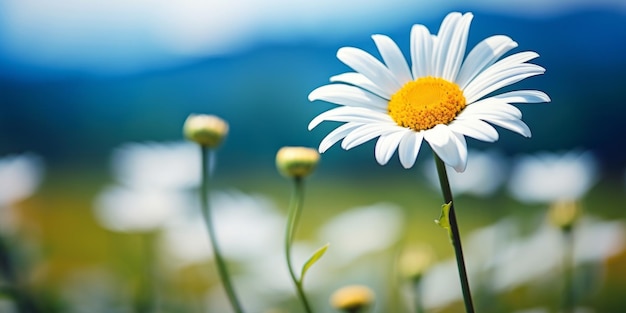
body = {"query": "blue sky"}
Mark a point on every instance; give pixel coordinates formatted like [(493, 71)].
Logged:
[(120, 36)]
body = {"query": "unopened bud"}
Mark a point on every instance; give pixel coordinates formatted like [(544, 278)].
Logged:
[(564, 214), (296, 161), (206, 130), (352, 298)]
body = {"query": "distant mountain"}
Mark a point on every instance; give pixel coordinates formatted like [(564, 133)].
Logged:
[(263, 93)]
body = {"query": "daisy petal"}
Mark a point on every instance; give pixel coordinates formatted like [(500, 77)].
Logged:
[(455, 51), (370, 67), (483, 55), (358, 80), (393, 58), (409, 148), (421, 51), (350, 96), (523, 96), (362, 134), (336, 135), (513, 125), (445, 144), (486, 83), (461, 146), (444, 43), (350, 114), (491, 106), (476, 129), (387, 145)]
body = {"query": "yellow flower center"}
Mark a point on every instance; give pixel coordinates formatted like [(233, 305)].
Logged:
[(423, 103)]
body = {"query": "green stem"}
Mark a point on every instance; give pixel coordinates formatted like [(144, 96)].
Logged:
[(417, 294), (568, 269), (456, 237), (295, 208), (144, 300), (219, 261)]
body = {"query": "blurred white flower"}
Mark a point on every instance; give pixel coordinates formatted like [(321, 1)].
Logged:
[(171, 165), (362, 230), (124, 209), (548, 177), (522, 260), (247, 227), (485, 173), (20, 176)]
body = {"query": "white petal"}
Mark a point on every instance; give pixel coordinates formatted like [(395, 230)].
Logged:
[(483, 55), (370, 67), (365, 133), (491, 106), (421, 51), (444, 143), (409, 148), (336, 135), (446, 32), (476, 129), (393, 57), (350, 114), (523, 96), (461, 146), (357, 79), (455, 50), (387, 145), (513, 125), (489, 81), (348, 95)]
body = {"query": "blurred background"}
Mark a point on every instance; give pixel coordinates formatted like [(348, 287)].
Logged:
[(93, 96)]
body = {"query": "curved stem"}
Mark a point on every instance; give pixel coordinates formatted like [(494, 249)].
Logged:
[(295, 208), (456, 237), (219, 261)]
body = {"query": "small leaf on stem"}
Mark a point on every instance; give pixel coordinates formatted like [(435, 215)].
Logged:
[(312, 260), (444, 220)]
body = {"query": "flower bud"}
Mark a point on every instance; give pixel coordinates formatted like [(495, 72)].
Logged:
[(206, 130), (296, 162), (415, 261), (564, 214), (352, 298)]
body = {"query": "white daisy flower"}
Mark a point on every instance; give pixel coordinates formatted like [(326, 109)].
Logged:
[(549, 177), (440, 98)]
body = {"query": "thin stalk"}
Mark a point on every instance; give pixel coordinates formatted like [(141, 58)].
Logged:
[(456, 237), (568, 269), (206, 212), (417, 295), (145, 297), (295, 210)]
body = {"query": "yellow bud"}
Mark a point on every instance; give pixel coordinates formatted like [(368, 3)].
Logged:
[(206, 130), (296, 161), (352, 298), (564, 214), (415, 261)]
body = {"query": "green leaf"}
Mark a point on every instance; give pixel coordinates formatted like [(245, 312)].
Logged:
[(314, 258), (444, 219)]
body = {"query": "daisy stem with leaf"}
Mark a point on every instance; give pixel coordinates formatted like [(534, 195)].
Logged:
[(295, 209), (455, 236), (296, 163), (208, 131)]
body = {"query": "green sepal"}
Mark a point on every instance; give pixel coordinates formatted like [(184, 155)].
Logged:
[(313, 259), (444, 219)]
